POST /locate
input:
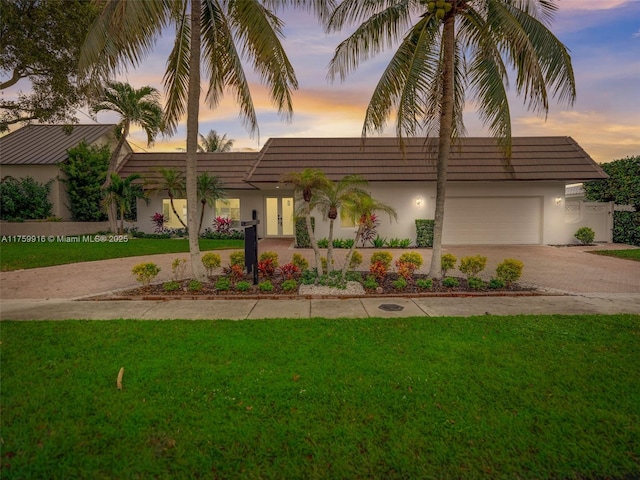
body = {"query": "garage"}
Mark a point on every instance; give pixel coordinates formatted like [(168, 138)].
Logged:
[(492, 220)]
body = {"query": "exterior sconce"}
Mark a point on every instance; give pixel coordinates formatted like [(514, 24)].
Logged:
[(419, 201), (558, 200)]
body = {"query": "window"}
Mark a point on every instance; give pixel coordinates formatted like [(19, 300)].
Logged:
[(347, 222), (180, 205), (229, 208)]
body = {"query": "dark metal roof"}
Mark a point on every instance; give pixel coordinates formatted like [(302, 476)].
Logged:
[(229, 167), (47, 144), (382, 159)]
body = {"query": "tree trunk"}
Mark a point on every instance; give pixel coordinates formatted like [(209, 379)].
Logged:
[(112, 209), (330, 248), (347, 260), (193, 110), (175, 212), (201, 216), (312, 238), (444, 141)]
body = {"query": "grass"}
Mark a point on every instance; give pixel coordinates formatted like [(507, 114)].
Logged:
[(16, 256), (484, 397), (632, 254)]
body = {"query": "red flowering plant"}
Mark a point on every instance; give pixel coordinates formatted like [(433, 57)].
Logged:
[(266, 267), (222, 224), (289, 271), (159, 220), (369, 224), (379, 270), (406, 269), (234, 272)]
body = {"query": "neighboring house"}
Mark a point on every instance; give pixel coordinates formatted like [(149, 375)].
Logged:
[(489, 201), (38, 150)]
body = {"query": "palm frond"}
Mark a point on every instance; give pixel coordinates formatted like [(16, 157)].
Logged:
[(176, 77)]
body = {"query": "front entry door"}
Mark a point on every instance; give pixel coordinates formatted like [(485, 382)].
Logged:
[(279, 216)]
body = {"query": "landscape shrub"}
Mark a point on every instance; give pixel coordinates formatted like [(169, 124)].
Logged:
[(424, 283), (475, 283), (300, 262), (448, 262), (323, 243), (412, 257), (222, 225), (379, 242), (450, 282), (170, 286), (237, 258), (356, 260), (509, 271), (243, 286), (24, 199), (370, 282), (223, 284), (302, 235), (159, 220), (400, 283), (585, 235), (211, 261), (266, 268), (289, 285), (626, 228), (424, 233), (145, 272), (273, 256), (234, 272), (496, 284), (289, 271), (405, 269), (323, 262), (379, 270), (210, 234), (309, 277), (384, 257), (194, 286), (265, 286), (472, 266), (178, 268)]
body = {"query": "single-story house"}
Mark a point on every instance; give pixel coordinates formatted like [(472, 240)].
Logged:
[(38, 150), (488, 201)]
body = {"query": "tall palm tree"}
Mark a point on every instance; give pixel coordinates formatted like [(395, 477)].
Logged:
[(361, 209), (329, 200), (446, 49), (212, 142), (134, 106), (210, 189), (221, 33), (122, 193), (305, 185), (172, 182)]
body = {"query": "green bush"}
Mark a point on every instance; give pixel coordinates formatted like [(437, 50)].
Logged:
[(412, 257), (356, 260), (424, 283), (475, 283), (585, 235), (370, 282), (400, 283), (383, 257), (424, 233), (309, 277), (211, 261), (626, 228), (448, 262), (24, 199), (509, 271), (178, 267), (472, 266), (170, 286), (145, 272), (273, 256), (289, 285), (323, 261), (300, 262), (237, 258), (223, 284), (194, 286), (243, 286), (302, 235), (496, 284), (266, 286), (450, 282), (323, 243)]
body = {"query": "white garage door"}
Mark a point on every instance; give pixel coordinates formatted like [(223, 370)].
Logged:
[(492, 220)]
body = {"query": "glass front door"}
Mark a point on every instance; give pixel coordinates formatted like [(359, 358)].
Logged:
[(279, 216)]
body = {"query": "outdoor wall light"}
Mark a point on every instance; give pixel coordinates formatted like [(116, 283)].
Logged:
[(419, 201), (558, 200)]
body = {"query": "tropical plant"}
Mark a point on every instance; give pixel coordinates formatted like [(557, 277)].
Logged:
[(384, 257), (170, 181), (509, 271), (471, 266), (24, 199), (211, 261), (210, 189), (158, 219), (134, 106), (123, 193), (362, 210), (305, 185), (585, 235), (213, 142), (445, 50), (208, 34), (447, 262), (178, 267), (145, 272), (329, 200), (622, 186)]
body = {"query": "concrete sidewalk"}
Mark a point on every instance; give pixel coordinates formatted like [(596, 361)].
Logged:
[(383, 307)]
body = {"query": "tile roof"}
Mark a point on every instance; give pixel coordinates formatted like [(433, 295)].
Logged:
[(46, 144), (381, 159), (229, 167)]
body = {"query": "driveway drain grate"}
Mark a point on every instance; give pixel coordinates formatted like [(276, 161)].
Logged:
[(391, 307)]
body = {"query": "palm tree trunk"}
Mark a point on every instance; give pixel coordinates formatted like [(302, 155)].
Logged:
[(201, 217), (444, 142), (193, 110), (312, 238), (330, 248), (173, 209), (112, 209), (347, 260)]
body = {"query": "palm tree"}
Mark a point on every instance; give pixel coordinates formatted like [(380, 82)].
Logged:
[(329, 200), (209, 190), (212, 142), (447, 48), (305, 185), (122, 193), (361, 209), (135, 106), (213, 30), (171, 181)]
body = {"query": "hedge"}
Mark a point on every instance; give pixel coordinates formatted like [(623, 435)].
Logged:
[(302, 235), (626, 228), (424, 233)]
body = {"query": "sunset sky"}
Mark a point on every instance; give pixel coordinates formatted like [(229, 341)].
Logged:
[(603, 37)]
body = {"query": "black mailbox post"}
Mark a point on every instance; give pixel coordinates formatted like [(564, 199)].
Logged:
[(251, 246)]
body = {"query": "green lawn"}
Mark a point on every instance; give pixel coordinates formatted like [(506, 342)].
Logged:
[(632, 254), (412, 398), (16, 256)]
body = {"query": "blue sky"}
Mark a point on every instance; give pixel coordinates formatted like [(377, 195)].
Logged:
[(603, 37)]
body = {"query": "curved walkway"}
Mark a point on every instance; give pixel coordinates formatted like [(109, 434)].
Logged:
[(593, 284)]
